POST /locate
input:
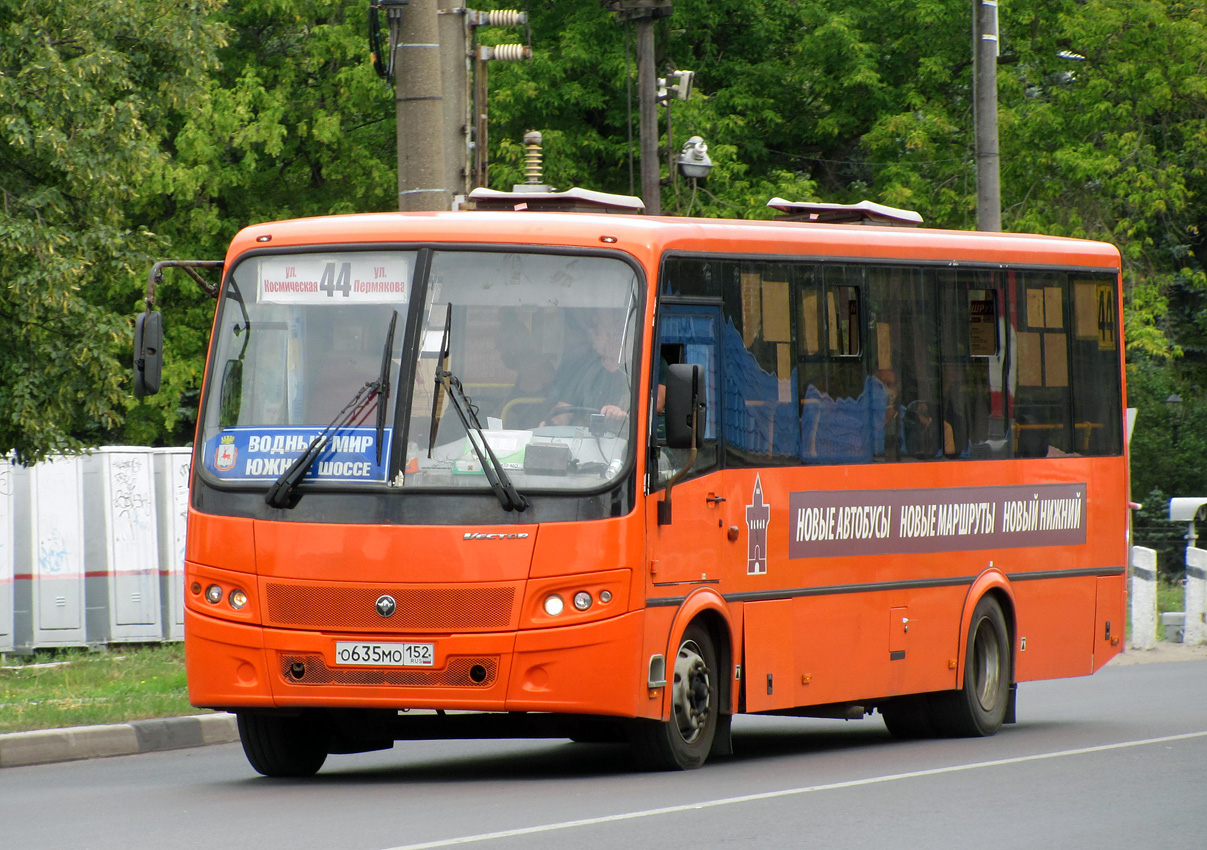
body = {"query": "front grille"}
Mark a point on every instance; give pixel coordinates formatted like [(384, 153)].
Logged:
[(457, 673), (420, 609)]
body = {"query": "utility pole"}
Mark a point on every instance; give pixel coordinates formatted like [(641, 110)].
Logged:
[(647, 110), (643, 13), (419, 108), (455, 77), (985, 48)]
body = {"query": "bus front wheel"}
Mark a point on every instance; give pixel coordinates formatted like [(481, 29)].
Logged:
[(979, 708), (283, 746), (683, 742)]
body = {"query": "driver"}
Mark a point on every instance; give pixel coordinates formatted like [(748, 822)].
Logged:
[(597, 380)]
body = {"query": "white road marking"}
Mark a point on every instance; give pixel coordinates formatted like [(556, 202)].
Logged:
[(787, 792)]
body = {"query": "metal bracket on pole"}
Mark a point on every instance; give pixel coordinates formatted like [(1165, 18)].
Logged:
[(156, 276)]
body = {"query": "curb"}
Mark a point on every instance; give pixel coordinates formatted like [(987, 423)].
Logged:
[(45, 746)]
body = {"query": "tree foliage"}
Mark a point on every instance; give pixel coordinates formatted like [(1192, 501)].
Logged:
[(86, 91), (292, 122)]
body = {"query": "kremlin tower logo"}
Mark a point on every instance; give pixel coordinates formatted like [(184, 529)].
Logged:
[(758, 514)]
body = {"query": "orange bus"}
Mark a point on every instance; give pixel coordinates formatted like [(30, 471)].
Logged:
[(615, 477)]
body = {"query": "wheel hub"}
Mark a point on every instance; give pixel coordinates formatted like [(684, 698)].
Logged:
[(691, 692)]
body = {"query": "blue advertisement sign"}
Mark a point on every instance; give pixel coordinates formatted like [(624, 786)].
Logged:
[(264, 453)]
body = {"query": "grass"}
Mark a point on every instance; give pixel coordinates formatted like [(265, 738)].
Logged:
[(79, 687), (1170, 597)]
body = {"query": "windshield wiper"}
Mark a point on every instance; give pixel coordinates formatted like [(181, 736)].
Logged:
[(383, 383), (438, 396), (496, 475), (284, 491), (446, 381)]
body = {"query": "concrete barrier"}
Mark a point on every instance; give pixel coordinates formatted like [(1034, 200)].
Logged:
[(1195, 629), (1144, 598)]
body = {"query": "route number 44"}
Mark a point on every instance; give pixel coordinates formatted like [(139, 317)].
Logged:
[(331, 283)]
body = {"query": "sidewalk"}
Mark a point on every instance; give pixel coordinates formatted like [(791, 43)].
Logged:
[(1165, 651), (172, 733), (119, 739)]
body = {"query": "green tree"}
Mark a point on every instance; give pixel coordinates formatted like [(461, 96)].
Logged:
[(84, 91), (294, 122)]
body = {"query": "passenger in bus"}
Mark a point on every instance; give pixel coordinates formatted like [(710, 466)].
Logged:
[(922, 430), (340, 365), (594, 382), (1034, 438), (524, 405), (956, 431), (892, 414)]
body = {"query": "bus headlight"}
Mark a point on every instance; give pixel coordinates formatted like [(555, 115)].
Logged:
[(213, 594), (582, 600), (554, 605), (237, 599)]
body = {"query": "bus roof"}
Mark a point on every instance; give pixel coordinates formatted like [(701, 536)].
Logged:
[(646, 237)]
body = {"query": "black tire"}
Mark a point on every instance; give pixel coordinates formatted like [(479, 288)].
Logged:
[(599, 733), (283, 746), (909, 718), (979, 708), (684, 741)]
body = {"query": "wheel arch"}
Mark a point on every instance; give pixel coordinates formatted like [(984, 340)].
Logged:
[(708, 608), (992, 582)]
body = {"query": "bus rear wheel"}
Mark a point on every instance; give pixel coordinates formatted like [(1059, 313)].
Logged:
[(909, 717), (979, 708), (283, 746), (683, 742)]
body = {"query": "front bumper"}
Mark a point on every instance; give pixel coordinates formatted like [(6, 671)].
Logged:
[(591, 668)]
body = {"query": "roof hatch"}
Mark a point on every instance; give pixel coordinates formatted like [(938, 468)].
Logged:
[(864, 212)]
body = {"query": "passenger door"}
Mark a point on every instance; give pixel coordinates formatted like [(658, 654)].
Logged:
[(687, 551)]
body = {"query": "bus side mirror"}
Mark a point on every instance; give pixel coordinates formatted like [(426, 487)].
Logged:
[(685, 406), (230, 393), (148, 353)]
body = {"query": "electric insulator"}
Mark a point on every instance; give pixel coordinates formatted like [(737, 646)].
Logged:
[(532, 157), (511, 52), (506, 18)]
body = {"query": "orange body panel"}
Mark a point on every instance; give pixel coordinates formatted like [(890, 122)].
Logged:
[(835, 646)]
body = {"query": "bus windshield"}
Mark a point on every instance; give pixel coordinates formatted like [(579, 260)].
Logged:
[(527, 356)]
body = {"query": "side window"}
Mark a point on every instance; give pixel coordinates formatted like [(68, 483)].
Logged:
[(970, 329), (762, 425), (843, 405), (1041, 420), (687, 334), (685, 277), (904, 360), (1094, 367)]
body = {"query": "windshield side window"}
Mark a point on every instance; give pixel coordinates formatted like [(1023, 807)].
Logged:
[(303, 341)]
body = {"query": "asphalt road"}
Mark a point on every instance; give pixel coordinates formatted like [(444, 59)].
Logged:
[(1116, 760)]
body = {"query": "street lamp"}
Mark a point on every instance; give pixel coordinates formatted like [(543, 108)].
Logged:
[(1174, 405), (693, 160)]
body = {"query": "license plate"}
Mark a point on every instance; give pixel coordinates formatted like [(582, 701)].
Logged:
[(386, 654)]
